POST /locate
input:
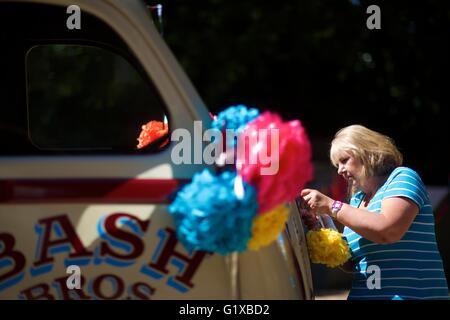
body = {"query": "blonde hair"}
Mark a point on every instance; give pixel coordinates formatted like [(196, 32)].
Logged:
[(377, 152)]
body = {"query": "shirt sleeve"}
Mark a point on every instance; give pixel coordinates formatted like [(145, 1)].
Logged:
[(407, 183)]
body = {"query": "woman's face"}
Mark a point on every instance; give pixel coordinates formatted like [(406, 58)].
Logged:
[(350, 168)]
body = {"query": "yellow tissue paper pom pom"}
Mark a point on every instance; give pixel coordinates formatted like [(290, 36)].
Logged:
[(267, 226), (326, 246)]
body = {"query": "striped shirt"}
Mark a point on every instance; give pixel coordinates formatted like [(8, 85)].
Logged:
[(410, 268)]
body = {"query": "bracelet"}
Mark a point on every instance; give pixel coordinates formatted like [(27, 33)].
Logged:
[(335, 207)]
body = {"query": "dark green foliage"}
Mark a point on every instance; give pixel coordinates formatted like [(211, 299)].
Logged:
[(317, 61)]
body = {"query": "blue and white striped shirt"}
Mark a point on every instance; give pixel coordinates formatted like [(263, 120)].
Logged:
[(410, 268)]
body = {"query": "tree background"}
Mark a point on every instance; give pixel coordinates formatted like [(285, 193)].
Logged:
[(318, 62)]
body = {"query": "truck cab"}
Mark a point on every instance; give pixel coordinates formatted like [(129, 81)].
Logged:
[(78, 196)]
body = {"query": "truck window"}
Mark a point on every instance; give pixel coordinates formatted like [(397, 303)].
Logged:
[(71, 91)]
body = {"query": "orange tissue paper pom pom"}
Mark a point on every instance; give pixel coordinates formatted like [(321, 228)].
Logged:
[(152, 131)]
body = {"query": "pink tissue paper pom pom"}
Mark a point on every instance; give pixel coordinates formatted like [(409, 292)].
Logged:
[(295, 168)]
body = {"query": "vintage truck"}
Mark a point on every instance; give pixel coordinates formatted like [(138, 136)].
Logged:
[(75, 190)]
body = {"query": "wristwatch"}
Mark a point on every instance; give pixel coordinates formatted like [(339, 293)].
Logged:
[(335, 207)]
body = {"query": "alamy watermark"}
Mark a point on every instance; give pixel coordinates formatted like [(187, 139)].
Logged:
[(74, 20), (374, 20), (74, 280), (261, 146), (374, 280)]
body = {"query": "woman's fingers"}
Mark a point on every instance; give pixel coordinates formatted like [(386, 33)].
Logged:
[(307, 200), (312, 198), (312, 203)]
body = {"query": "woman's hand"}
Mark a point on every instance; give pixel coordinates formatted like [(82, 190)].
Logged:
[(317, 202)]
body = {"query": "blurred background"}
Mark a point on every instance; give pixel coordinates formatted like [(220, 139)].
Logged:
[(318, 62)]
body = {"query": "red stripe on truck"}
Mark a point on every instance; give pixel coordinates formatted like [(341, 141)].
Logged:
[(157, 191)]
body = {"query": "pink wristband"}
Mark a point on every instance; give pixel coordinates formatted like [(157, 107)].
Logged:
[(335, 207)]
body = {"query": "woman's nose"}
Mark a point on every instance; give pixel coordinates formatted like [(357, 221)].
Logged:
[(340, 169)]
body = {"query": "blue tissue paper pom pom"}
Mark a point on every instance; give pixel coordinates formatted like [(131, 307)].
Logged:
[(210, 216), (236, 118)]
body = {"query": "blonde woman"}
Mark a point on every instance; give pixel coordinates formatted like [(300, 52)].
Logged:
[(389, 223)]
